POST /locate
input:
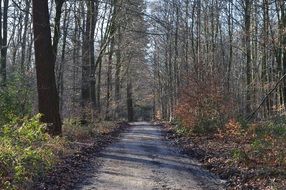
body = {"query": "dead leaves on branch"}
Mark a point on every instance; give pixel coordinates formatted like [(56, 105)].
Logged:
[(203, 103)]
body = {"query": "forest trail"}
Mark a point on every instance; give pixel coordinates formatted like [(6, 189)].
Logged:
[(143, 160)]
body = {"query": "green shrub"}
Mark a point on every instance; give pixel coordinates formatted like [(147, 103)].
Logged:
[(15, 99), (239, 155), (24, 153), (207, 126)]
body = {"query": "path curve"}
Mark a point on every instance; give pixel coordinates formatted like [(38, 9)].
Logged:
[(143, 160)]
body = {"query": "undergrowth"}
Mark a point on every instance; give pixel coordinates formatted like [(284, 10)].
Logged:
[(257, 148), (27, 153), (73, 129), (267, 143), (24, 152), (15, 99), (205, 110)]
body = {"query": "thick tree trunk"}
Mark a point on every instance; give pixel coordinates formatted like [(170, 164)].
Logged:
[(48, 101), (88, 67)]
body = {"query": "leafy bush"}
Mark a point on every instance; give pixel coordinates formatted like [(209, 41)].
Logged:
[(27, 152), (24, 152), (232, 129), (203, 105), (15, 99)]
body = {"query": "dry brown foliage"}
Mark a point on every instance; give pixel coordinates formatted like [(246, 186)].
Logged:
[(204, 101)]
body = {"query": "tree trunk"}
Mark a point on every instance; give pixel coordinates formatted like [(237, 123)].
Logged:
[(248, 4), (88, 67), (110, 59), (62, 62), (48, 101), (3, 40), (56, 38), (283, 44), (130, 110), (109, 79), (129, 89), (230, 34), (23, 46), (117, 73)]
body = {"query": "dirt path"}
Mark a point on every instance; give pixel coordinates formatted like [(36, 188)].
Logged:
[(142, 160)]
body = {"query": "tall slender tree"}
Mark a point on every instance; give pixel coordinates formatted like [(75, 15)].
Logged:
[(4, 39)]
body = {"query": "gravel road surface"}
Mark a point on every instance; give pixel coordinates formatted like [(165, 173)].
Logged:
[(143, 160)]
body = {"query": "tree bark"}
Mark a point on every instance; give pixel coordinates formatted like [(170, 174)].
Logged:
[(23, 46), (88, 67), (117, 72), (129, 94), (48, 101), (283, 44), (57, 34), (248, 5), (3, 41), (62, 62), (130, 110)]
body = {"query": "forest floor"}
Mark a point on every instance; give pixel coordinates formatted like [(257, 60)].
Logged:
[(140, 159), (217, 154)]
